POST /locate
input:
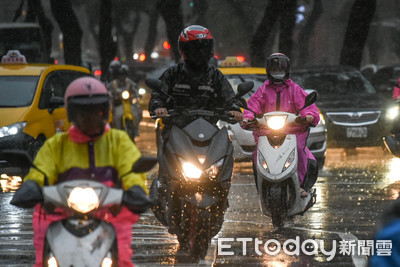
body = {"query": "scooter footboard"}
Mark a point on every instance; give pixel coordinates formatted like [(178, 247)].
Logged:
[(70, 249)]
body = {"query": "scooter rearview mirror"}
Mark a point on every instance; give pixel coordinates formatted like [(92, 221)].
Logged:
[(244, 88), (154, 84), (310, 99), (21, 158), (16, 157), (144, 164)]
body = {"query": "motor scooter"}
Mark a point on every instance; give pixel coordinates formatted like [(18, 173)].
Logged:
[(129, 120), (82, 236), (191, 191), (126, 113), (276, 166)]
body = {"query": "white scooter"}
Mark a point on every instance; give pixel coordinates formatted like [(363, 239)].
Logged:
[(276, 169), (81, 237)]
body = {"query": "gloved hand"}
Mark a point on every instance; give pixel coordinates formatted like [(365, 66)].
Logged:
[(309, 119), (28, 195), (161, 112), (247, 123), (237, 115), (136, 200)]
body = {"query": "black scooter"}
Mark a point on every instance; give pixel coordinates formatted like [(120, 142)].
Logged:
[(196, 165)]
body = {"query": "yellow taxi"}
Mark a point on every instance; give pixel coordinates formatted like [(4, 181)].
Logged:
[(31, 103)]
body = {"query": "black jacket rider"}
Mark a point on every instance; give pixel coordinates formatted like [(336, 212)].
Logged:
[(187, 89)]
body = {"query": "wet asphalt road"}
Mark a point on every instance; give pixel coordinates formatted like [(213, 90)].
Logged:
[(353, 189)]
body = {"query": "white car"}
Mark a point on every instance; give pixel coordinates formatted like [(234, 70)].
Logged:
[(243, 140)]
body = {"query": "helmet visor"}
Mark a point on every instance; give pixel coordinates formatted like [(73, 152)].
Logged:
[(277, 64), (199, 51), (89, 100), (91, 119)]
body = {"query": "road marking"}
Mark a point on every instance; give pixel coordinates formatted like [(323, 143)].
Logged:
[(359, 261)]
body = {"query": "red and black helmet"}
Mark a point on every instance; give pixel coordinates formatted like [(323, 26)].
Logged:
[(278, 61), (196, 45), (87, 93)]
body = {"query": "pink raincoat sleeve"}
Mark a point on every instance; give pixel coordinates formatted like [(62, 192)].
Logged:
[(255, 103), (396, 91), (299, 99)]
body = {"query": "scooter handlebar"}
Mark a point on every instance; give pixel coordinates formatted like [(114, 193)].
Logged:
[(260, 120), (225, 116)]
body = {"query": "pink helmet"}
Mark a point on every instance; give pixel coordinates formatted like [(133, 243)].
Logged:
[(86, 91)]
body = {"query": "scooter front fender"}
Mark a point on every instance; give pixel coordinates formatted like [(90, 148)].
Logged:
[(72, 250), (127, 111), (202, 200)]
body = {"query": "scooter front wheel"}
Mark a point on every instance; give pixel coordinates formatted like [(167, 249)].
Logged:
[(199, 236), (196, 229), (277, 203)]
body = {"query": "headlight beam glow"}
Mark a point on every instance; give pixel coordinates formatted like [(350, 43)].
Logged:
[(276, 122)]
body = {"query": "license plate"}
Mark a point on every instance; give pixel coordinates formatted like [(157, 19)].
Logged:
[(357, 132)]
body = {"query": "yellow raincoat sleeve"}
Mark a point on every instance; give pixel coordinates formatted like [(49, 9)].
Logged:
[(45, 160), (128, 154)]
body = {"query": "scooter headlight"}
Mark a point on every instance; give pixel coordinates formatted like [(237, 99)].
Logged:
[(289, 160), (83, 200), (276, 122), (263, 162), (107, 261), (213, 171), (52, 262), (125, 94), (189, 170), (392, 112)]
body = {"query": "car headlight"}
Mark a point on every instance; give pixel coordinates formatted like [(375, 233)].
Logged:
[(107, 261), (276, 122), (189, 170), (392, 112), (289, 160), (52, 262), (321, 120), (83, 200), (125, 94), (12, 129), (263, 162)]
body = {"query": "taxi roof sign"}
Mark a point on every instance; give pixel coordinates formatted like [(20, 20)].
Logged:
[(232, 62), (13, 57)]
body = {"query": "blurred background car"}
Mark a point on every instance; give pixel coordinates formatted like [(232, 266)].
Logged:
[(243, 140), (355, 114), (382, 77)]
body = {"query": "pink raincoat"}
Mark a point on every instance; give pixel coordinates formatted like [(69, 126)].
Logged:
[(292, 98), (396, 91)]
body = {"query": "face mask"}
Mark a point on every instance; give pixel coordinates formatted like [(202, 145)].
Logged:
[(277, 75)]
